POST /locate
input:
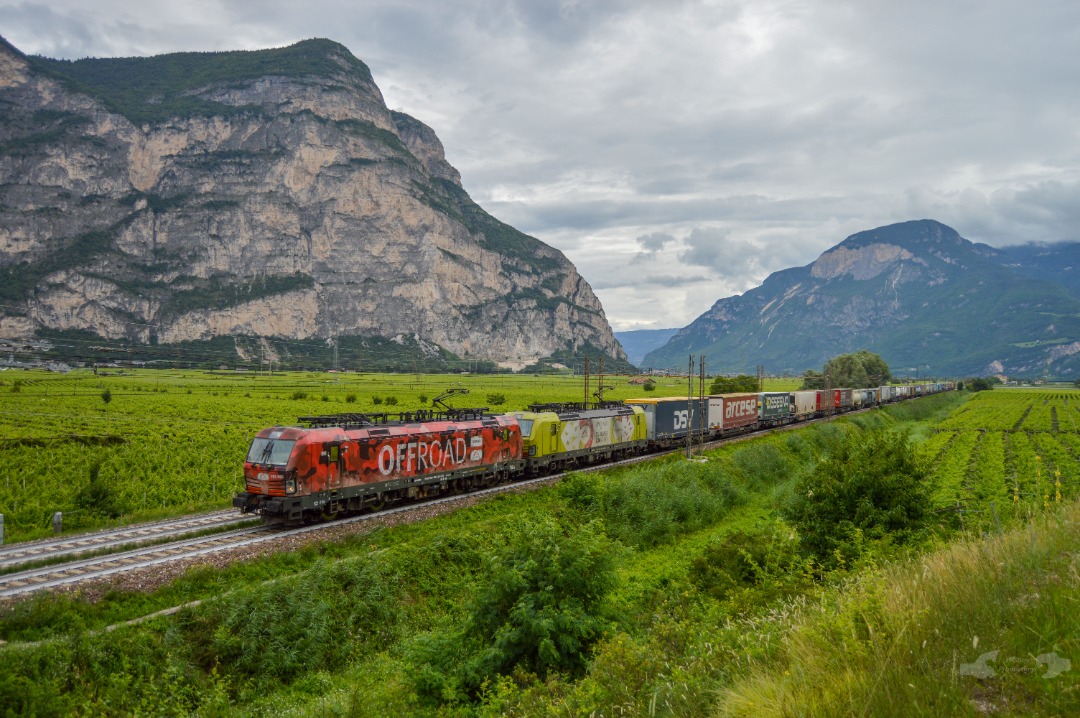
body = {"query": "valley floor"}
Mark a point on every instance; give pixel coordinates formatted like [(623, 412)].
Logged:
[(711, 587)]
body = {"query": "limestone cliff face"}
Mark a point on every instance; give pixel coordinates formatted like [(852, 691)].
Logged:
[(273, 194)]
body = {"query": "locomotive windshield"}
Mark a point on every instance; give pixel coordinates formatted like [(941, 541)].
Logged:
[(270, 451), (526, 426)]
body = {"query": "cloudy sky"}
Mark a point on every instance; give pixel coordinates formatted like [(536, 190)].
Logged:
[(680, 151)]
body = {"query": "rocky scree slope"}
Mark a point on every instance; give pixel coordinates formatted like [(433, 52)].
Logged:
[(271, 193)]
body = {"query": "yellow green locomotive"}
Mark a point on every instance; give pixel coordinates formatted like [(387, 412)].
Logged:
[(561, 436)]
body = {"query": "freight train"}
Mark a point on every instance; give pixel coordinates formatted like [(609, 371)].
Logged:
[(350, 462)]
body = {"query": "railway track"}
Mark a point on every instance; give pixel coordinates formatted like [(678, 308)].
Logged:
[(84, 569), (77, 570), (33, 552)]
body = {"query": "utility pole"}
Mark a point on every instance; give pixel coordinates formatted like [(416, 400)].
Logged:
[(585, 404), (690, 408), (600, 383), (703, 406), (761, 377)]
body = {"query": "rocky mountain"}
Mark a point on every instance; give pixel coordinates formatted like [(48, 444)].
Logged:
[(192, 197), (917, 293), (639, 342)]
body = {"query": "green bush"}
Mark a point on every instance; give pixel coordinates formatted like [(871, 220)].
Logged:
[(539, 609), (298, 395), (762, 463), (584, 493), (653, 504), (391, 401), (747, 568), (99, 498), (540, 603), (376, 400), (734, 385), (279, 630), (869, 487), (350, 398), (496, 399)]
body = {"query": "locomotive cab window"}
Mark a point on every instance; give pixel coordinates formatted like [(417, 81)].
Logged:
[(526, 426), (270, 451)]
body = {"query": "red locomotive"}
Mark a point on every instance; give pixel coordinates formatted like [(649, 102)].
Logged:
[(348, 462)]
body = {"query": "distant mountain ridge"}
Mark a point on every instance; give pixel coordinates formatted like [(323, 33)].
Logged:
[(639, 342), (194, 196), (915, 292)]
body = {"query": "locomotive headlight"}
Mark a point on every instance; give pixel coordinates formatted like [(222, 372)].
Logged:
[(290, 486)]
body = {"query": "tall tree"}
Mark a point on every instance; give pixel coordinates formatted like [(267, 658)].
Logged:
[(855, 371)]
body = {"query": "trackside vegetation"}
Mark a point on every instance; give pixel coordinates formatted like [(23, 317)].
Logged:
[(791, 574)]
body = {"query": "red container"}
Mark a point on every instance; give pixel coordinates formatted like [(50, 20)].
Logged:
[(739, 410)]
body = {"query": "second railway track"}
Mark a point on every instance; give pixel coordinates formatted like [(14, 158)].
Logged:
[(128, 536)]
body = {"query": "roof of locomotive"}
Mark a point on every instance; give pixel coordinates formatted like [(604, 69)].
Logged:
[(407, 423), (576, 411)]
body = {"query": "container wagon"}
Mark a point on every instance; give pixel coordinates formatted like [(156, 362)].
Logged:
[(776, 408), (733, 413), (806, 404), (668, 419)]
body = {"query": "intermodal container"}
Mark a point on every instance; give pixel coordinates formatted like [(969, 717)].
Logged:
[(776, 406), (669, 418), (733, 411), (887, 393), (806, 403), (842, 398), (824, 401)]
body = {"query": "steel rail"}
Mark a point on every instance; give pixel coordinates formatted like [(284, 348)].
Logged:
[(33, 551)]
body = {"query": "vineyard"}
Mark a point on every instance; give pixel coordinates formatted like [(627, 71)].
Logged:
[(1006, 455), (123, 446)]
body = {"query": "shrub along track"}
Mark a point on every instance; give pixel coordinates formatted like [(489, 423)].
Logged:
[(147, 569)]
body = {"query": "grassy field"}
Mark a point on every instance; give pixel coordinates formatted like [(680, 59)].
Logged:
[(138, 444), (680, 588), (1006, 455)]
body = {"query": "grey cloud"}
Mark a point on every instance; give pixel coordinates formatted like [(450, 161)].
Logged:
[(655, 241), (673, 281), (718, 251)]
